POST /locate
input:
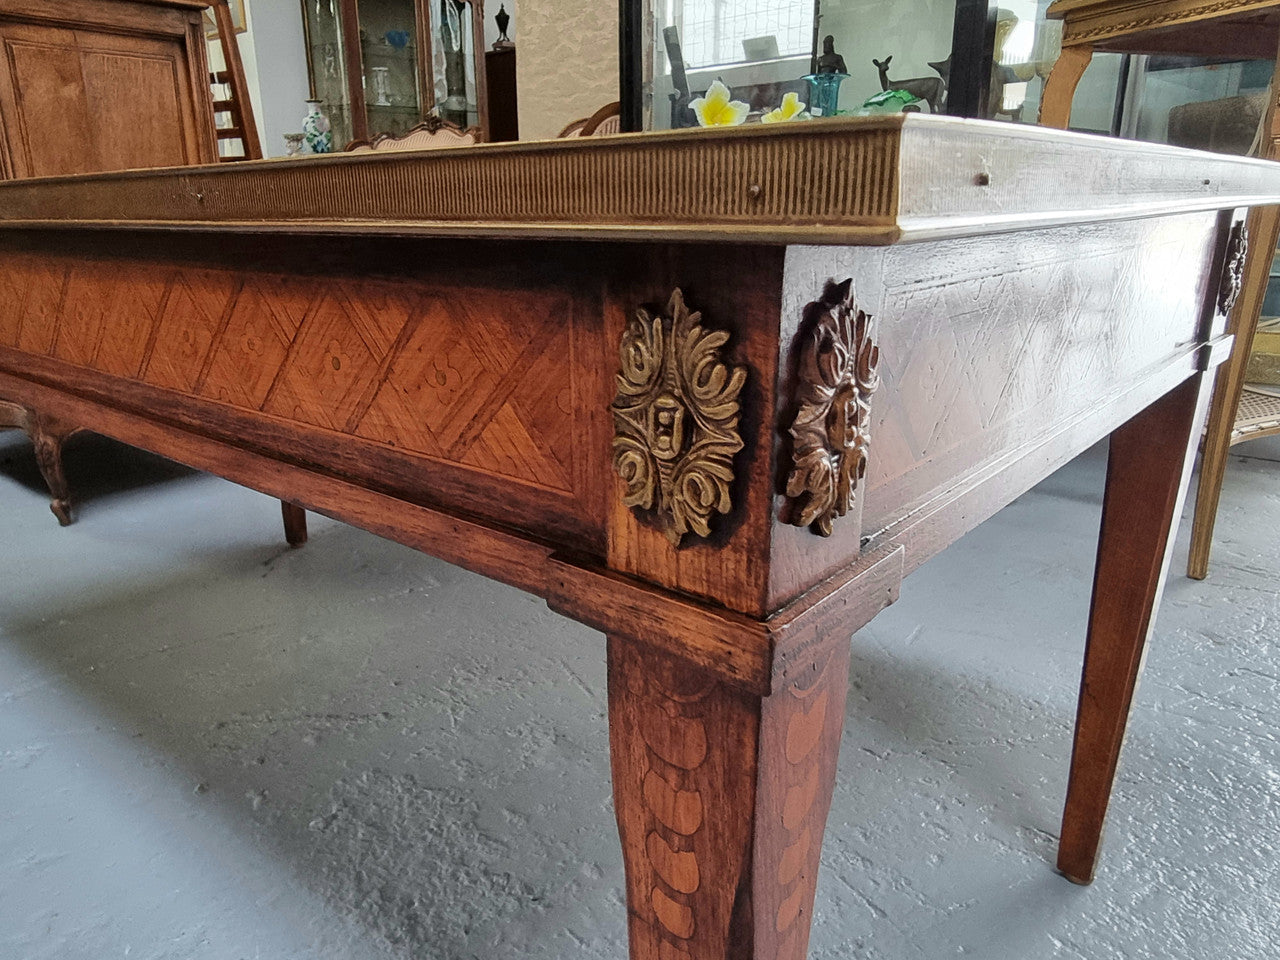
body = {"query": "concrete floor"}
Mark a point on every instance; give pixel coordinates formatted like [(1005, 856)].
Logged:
[(214, 747)]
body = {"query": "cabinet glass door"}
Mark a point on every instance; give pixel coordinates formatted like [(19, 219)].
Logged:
[(1025, 47), (389, 63), (970, 58), (327, 61), (457, 41)]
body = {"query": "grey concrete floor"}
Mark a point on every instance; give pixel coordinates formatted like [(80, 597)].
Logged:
[(215, 747)]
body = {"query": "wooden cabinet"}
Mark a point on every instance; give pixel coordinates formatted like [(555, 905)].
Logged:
[(97, 85), (500, 71)]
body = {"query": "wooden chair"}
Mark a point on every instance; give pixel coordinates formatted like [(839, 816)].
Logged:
[(234, 101), (1236, 29), (605, 121), (431, 134)]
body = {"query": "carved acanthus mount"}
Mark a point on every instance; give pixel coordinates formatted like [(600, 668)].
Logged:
[(1233, 271), (676, 419), (831, 431)]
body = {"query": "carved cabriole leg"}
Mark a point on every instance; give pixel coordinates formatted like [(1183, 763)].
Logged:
[(295, 523), (13, 415), (48, 435), (722, 798), (1148, 470), (1060, 86)]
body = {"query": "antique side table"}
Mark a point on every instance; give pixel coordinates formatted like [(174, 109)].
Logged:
[(713, 393)]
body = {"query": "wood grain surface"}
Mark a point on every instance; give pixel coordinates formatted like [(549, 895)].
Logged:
[(100, 85), (1148, 471), (440, 390), (722, 801)]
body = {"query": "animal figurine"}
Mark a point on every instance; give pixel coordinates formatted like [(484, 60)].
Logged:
[(928, 89), (944, 69)]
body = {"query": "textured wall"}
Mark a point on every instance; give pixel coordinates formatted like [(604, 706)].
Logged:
[(567, 65)]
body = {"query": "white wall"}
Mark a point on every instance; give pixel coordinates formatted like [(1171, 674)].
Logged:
[(566, 62), (280, 56)]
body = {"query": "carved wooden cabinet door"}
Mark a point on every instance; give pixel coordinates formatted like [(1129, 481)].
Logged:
[(124, 86)]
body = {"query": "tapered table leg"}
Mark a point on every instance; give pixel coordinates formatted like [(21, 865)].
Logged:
[(722, 797), (1147, 475), (295, 523)]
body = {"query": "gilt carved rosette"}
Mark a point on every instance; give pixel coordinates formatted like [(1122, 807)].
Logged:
[(1233, 270), (831, 430), (676, 419)]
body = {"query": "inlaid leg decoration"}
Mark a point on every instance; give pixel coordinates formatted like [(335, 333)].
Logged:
[(1147, 474), (48, 435), (722, 799), (295, 523)]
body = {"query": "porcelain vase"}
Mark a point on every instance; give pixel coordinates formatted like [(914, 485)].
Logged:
[(316, 132)]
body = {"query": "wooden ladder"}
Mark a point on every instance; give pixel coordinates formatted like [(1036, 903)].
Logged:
[(236, 102)]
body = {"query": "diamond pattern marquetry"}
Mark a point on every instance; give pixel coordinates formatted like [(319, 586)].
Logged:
[(336, 354), (93, 296), (401, 364), (492, 396), (992, 347), (31, 293), (263, 322), (188, 327)]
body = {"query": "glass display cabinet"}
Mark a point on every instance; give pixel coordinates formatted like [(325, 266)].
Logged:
[(380, 66), (948, 56), (969, 58)]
